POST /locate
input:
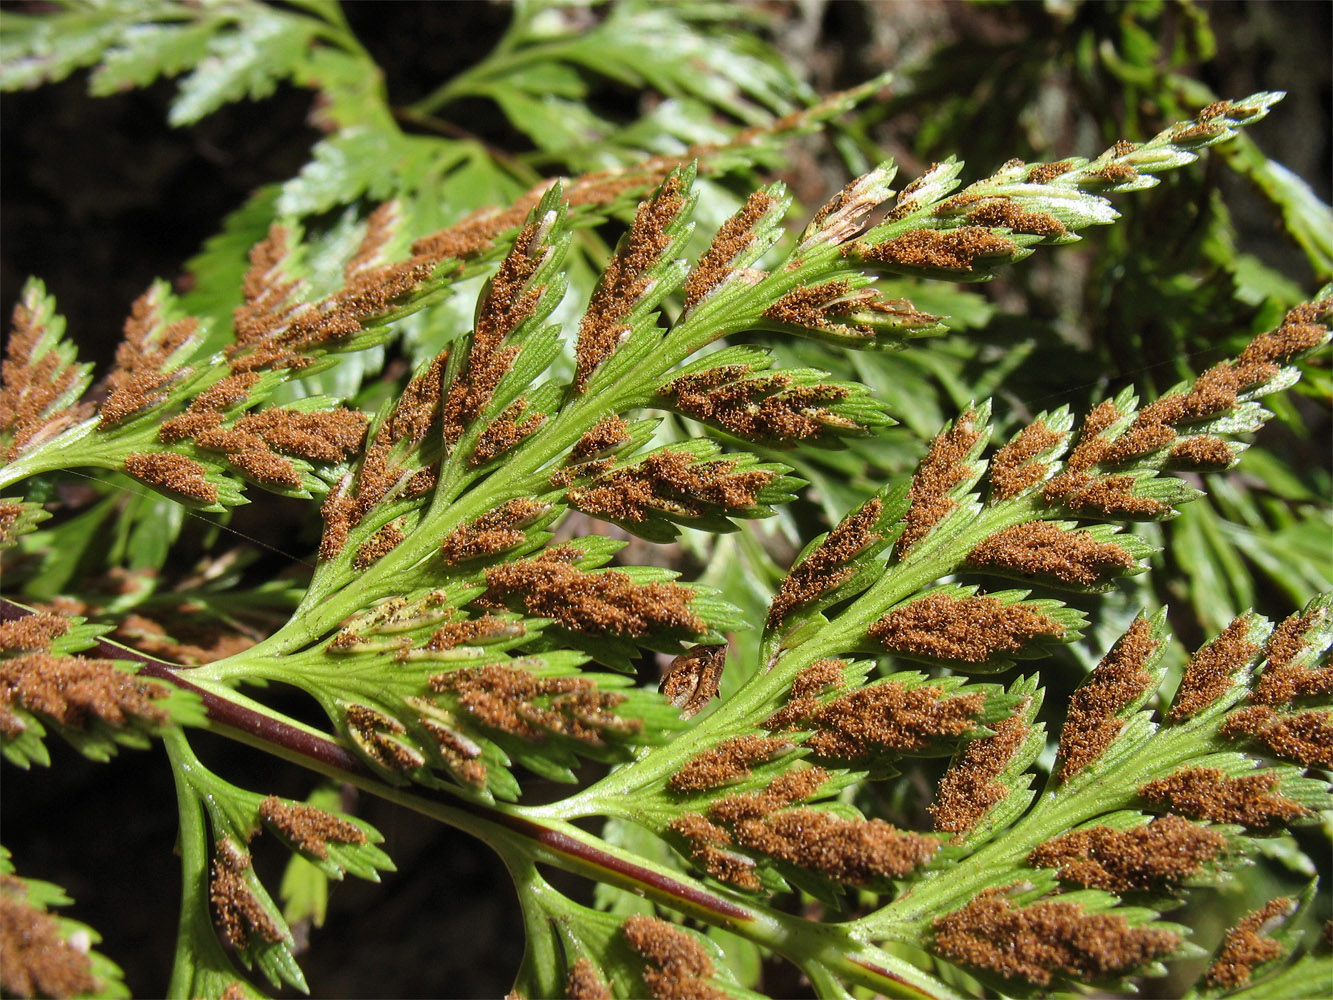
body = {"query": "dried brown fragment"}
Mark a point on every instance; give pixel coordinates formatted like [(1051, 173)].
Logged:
[(1044, 173), (1157, 856), (967, 630), (492, 532), (1246, 947), (1305, 737), (933, 249), (379, 545), (583, 982), (173, 472), (1118, 681), (1207, 793), (692, 679), (732, 239), (968, 789), (311, 829), (36, 959), (1202, 451), (944, 468), (238, 911), (73, 690), (608, 602), (1015, 467), (729, 761), (997, 212), (1043, 549), (1209, 671), (1046, 939), (1123, 147), (32, 633), (678, 966), (826, 567), (670, 482), (473, 630), (515, 701), (625, 280), (888, 717), (234, 991)]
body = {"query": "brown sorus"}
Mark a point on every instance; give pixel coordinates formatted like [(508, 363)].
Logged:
[(1119, 680), (1004, 212), (173, 472), (1208, 793), (931, 249), (1044, 549), (1046, 939), (944, 468), (32, 633), (582, 982), (670, 482), (492, 532), (1208, 674), (1246, 947), (1283, 679), (515, 701), (729, 761), (625, 280), (968, 789), (888, 717), (1154, 857), (735, 236), (967, 630), (238, 911), (1016, 467), (309, 828), (608, 602), (826, 567), (1305, 737), (73, 690), (31, 386), (678, 966), (36, 958)]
